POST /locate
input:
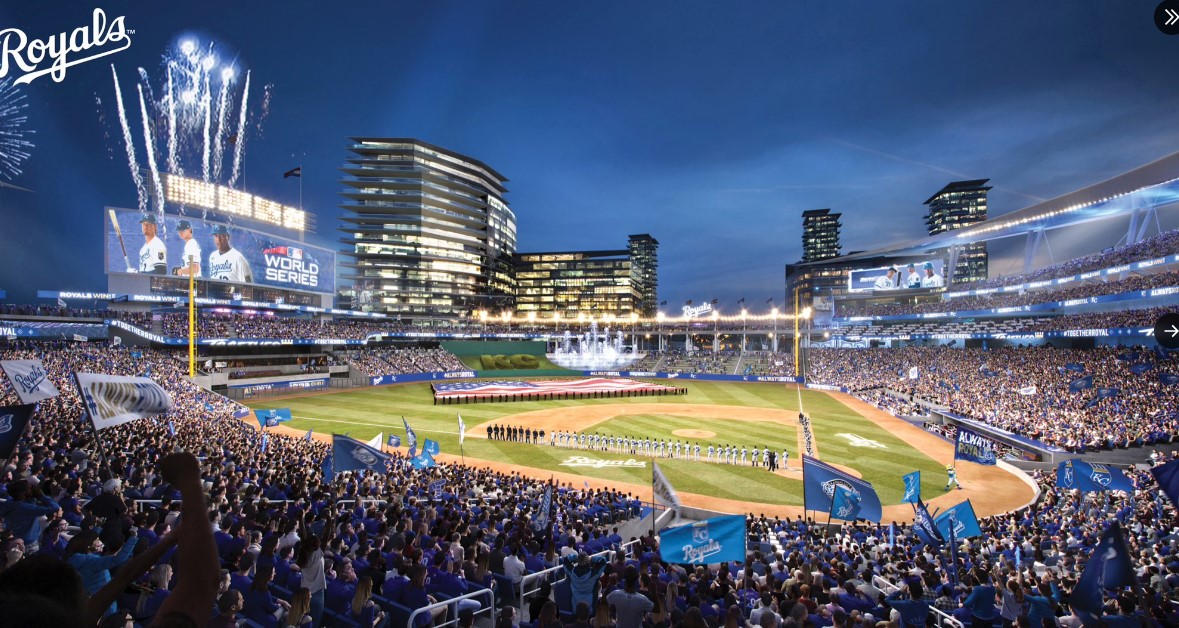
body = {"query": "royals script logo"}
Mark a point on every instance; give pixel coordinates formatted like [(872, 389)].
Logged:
[(19, 53)]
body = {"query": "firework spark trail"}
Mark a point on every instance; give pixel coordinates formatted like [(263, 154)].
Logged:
[(218, 142), (151, 96), (149, 141), (14, 148), (131, 161), (206, 107), (173, 160), (241, 134)]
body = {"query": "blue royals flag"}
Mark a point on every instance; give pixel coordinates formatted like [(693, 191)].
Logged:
[(818, 484), (1167, 476), (13, 421), (271, 418), (1103, 393), (431, 447), (1168, 379), (1091, 477), (307, 437), (715, 540), (1140, 368), (394, 440), (171, 428), (1076, 367), (974, 447), (541, 521), (1109, 567), (964, 519), (349, 454), (436, 488), (411, 439), (422, 461), (912, 488), (1082, 383), (924, 526), (845, 504)]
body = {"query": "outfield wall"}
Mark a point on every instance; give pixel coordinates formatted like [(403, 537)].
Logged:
[(382, 380), (494, 347)]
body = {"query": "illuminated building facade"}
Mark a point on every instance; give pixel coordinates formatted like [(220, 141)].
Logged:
[(427, 228), (961, 204), (591, 283)]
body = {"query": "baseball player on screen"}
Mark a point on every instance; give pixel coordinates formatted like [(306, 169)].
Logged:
[(931, 279), (913, 279), (886, 282), (226, 263), (191, 259), (153, 255)]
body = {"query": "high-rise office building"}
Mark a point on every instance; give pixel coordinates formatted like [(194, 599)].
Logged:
[(961, 204), (592, 283), (428, 229), (820, 234)]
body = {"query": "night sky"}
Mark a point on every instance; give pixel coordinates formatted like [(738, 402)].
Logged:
[(709, 125)]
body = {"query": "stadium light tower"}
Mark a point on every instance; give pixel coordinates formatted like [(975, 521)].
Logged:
[(634, 332), (774, 315), (744, 313), (715, 332)]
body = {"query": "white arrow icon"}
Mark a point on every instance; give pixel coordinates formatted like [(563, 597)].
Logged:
[(1172, 16), (1174, 331)]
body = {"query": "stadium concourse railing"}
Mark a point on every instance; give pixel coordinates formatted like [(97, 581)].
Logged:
[(452, 615), (942, 618)]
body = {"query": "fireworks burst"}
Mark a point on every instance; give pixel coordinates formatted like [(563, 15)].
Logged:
[(15, 145), (188, 127)]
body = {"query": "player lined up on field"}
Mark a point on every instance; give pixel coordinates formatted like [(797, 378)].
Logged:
[(666, 448)]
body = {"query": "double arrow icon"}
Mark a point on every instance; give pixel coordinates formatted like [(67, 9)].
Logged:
[(1172, 17)]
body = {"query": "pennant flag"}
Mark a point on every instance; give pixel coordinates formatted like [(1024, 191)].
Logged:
[(171, 428), (924, 527), (1076, 367), (1167, 476), (541, 520), (912, 488), (29, 379), (1077, 385), (80, 338), (965, 523), (663, 491), (892, 535), (1018, 556), (845, 504), (1109, 567), (117, 341), (271, 418), (1140, 368), (422, 461), (431, 447), (297, 171), (1091, 477), (716, 540), (377, 441), (349, 454), (410, 438), (61, 302), (265, 440), (770, 300), (819, 481), (113, 399), (462, 429), (1129, 356), (1168, 379), (1027, 390), (208, 407), (974, 447), (394, 440), (308, 436), (1103, 393), (740, 301), (329, 471), (13, 421)]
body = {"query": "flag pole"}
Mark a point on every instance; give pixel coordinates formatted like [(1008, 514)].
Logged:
[(93, 428)]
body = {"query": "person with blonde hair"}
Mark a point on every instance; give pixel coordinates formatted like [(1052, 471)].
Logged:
[(299, 614), (364, 610)]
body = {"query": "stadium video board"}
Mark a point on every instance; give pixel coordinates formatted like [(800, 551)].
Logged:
[(905, 275), (161, 245)]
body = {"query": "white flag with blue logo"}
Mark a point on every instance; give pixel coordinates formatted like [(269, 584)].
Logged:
[(377, 441), (30, 380), (115, 399), (462, 429)]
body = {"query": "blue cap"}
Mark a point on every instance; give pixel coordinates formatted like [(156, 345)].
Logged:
[(911, 265), (148, 218), (182, 225), (220, 230), (928, 266)]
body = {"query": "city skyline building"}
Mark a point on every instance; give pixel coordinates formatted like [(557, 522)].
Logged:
[(820, 234), (427, 228), (590, 283), (961, 204)]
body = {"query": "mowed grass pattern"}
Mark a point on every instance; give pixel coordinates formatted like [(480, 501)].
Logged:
[(363, 413)]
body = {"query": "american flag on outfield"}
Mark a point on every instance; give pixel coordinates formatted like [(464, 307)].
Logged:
[(594, 385)]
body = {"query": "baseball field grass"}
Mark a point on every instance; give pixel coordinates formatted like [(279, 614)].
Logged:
[(843, 437)]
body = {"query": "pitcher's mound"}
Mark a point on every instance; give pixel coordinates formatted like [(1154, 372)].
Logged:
[(694, 433)]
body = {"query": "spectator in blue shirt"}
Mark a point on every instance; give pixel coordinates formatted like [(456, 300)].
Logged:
[(21, 513)]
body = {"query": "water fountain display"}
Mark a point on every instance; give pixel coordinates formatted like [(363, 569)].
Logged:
[(592, 350)]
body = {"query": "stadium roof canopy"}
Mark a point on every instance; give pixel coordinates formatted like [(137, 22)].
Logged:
[(1154, 185)]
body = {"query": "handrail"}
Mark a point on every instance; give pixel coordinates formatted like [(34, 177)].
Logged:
[(488, 608), (538, 576), (944, 619)]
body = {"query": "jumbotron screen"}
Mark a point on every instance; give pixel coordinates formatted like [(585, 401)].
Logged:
[(163, 245), (904, 275)]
